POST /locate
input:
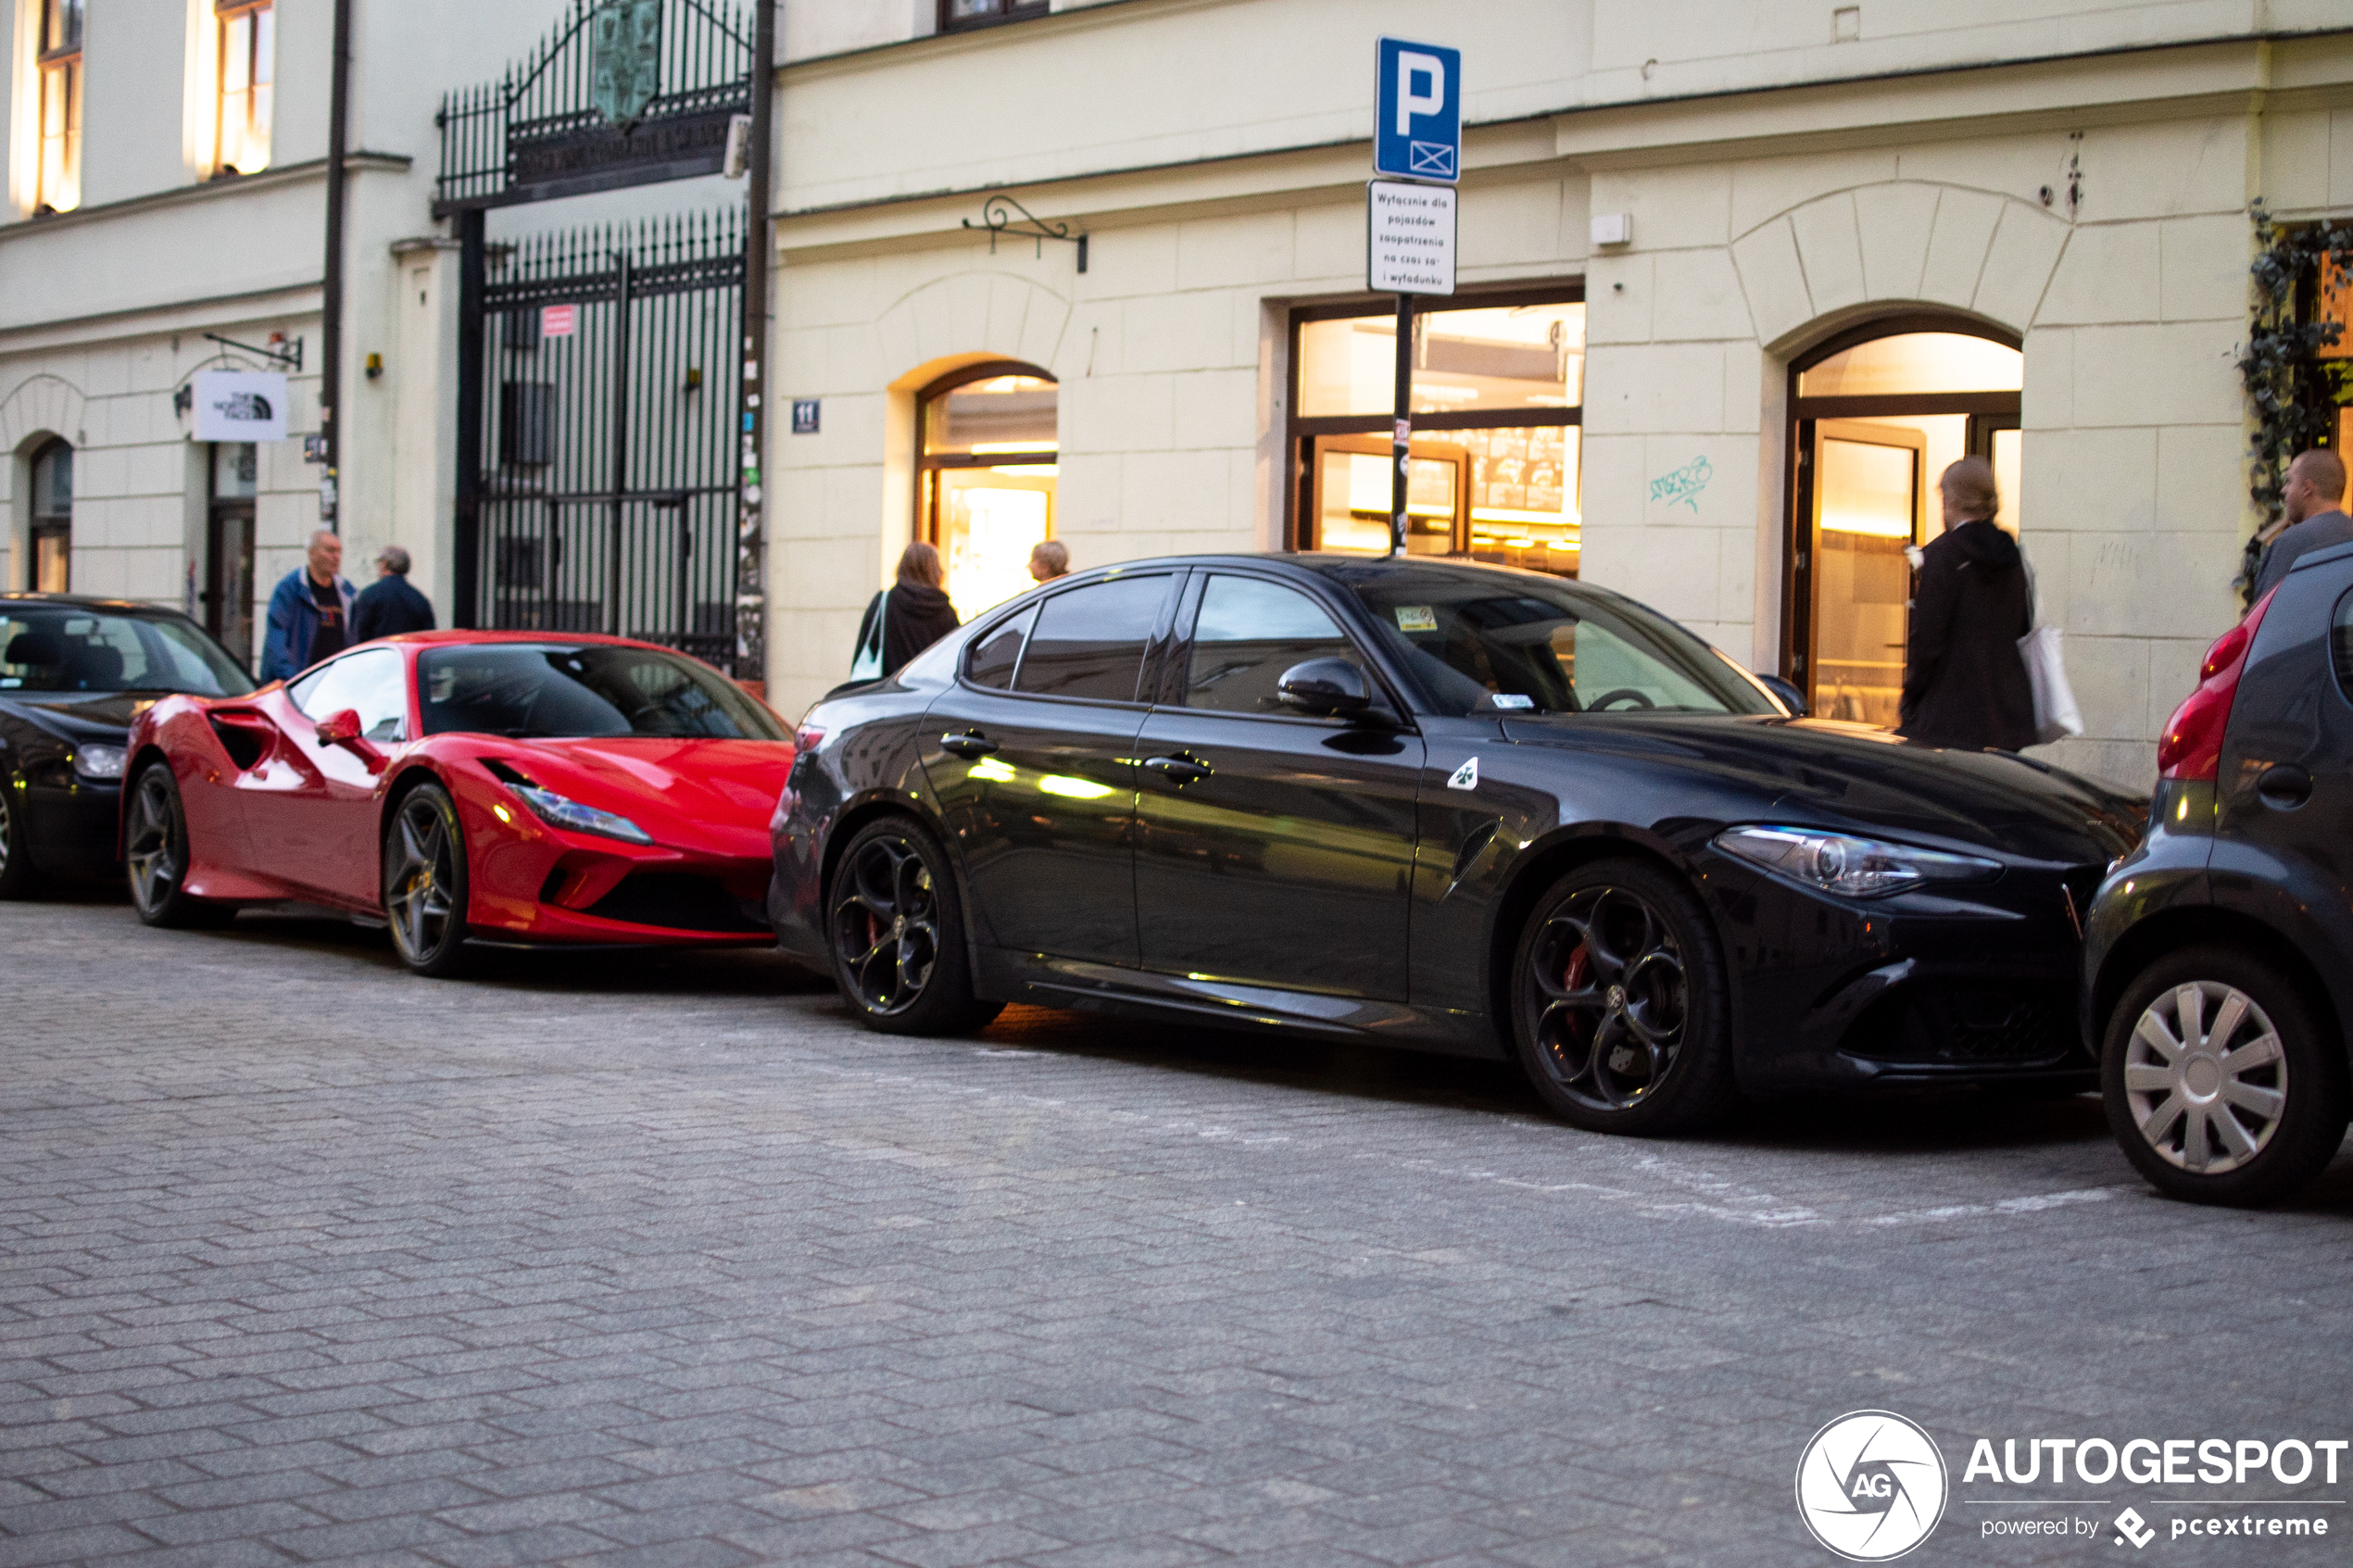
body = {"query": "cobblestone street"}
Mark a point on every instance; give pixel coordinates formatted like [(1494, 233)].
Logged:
[(636, 1259)]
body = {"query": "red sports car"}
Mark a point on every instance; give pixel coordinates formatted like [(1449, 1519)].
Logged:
[(508, 786)]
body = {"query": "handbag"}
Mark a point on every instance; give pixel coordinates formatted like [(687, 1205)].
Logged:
[(868, 664), (2055, 715)]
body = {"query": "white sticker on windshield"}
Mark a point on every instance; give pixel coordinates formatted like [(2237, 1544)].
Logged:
[(1511, 700), (1416, 618), (1466, 776)]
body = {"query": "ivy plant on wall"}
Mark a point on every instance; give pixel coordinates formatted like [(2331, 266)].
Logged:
[(2291, 390)]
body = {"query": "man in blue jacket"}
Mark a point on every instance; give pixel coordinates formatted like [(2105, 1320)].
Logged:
[(310, 613)]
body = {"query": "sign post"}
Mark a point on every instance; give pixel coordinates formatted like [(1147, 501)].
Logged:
[(1409, 226)]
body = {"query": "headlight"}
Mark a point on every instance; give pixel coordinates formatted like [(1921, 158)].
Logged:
[(1859, 868), (561, 812), (99, 761)]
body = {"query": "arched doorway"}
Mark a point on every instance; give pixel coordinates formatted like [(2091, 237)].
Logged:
[(986, 459), (1876, 414)]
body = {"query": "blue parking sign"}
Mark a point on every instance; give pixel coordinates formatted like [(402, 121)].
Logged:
[(1418, 91)]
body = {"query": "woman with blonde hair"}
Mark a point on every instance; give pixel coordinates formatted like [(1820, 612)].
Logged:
[(907, 617)]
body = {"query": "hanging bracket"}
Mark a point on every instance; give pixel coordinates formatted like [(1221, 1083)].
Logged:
[(292, 361), (997, 218)]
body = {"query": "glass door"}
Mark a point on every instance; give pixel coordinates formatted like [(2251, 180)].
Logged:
[(1869, 506), (228, 591), (1349, 498)]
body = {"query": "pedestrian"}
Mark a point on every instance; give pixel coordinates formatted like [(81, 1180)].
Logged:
[(2313, 506), (390, 604), (1964, 681), (905, 618), (310, 613), (1049, 558)]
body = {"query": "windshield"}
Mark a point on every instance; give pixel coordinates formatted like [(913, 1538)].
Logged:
[(68, 648), (524, 689), (1487, 641)]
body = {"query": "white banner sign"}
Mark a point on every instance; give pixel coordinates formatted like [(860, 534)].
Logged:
[(1410, 237), (240, 405)]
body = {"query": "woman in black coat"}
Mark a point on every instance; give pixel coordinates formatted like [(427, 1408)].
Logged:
[(1964, 681), (916, 610)]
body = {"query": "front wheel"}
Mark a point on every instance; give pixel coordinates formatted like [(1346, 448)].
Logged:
[(19, 877), (895, 927), (424, 865), (2221, 1083), (1619, 1006), (156, 855)]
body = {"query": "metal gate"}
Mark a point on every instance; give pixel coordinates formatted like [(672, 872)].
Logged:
[(609, 401)]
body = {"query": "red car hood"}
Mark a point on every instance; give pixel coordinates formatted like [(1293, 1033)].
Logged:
[(701, 795)]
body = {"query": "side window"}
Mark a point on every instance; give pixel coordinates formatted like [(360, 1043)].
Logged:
[(2341, 646), (369, 683), (990, 663), (1247, 632), (1089, 642)]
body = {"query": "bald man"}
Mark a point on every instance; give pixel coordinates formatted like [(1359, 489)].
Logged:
[(309, 612), (2313, 496)]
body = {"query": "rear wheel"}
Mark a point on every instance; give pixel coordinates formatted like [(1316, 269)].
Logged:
[(2221, 1082), (156, 855), (424, 863), (19, 877), (896, 929), (1619, 1005)]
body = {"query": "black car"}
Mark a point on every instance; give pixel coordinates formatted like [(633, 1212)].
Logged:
[(1441, 805), (74, 671), (2219, 964)]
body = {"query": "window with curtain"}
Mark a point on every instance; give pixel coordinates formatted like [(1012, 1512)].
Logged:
[(248, 50), (52, 518), (61, 166)]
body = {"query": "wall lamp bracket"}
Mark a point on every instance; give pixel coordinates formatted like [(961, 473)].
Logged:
[(290, 360), (997, 218)]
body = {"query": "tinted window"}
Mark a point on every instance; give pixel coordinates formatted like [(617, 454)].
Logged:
[(58, 648), (1247, 632), (991, 662), (1089, 642), (370, 683), (544, 689)]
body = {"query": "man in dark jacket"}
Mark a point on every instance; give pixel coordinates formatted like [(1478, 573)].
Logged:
[(1964, 681), (390, 606), (310, 613), (2313, 500)]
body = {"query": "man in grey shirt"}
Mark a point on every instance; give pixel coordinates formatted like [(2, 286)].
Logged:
[(2315, 519)]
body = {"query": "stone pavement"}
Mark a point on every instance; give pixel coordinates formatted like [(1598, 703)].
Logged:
[(623, 1259)]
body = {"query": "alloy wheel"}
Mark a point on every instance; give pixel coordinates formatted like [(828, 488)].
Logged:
[(1611, 997), (8, 827), (418, 893), (886, 923), (153, 847), (2206, 1077)]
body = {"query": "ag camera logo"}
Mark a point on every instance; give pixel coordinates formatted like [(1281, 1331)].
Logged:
[(1871, 1485)]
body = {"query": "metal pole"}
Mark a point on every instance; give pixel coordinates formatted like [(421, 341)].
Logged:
[(1403, 434), (751, 553), (620, 436), (331, 294), (465, 578)]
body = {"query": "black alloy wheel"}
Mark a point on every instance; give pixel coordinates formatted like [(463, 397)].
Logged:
[(1619, 1003), (2221, 1083), (424, 863), (156, 855), (19, 877), (897, 934)]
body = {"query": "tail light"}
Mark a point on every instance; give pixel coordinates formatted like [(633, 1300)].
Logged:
[(2192, 747)]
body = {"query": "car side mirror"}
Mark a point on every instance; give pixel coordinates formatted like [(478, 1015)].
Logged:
[(1790, 697), (1325, 687), (343, 729)]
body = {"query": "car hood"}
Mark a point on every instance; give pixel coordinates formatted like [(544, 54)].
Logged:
[(1814, 773), (701, 794), (92, 716)]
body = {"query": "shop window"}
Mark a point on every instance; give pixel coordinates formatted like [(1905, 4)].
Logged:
[(53, 518), (957, 15), (248, 48), (984, 485), (228, 593), (59, 175), (1498, 389)]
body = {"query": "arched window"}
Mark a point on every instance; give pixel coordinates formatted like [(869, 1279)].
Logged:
[(52, 518), (1875, 415), (984, 479)]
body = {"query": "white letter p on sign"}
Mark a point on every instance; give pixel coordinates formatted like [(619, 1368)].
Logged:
[(1410, 102)]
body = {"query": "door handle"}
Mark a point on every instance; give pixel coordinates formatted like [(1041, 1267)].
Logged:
[(1181, 769), (969, 743), (2284, 787)]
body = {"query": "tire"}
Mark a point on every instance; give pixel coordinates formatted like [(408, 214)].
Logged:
[(1618, 1003), (2238, 1109), (20, 878), (425, 883), (895, 930), (157, 855)]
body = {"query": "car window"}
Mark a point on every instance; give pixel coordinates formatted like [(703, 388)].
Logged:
[(990, 663), (369, 683), (61, 649), (581, 690), (2341, 644), (1090, 641), (1247, 632)]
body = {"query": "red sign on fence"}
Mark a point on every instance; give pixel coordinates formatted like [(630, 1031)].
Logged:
[(559, 320)]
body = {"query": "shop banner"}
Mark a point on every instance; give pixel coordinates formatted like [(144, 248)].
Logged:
[(240, 405)]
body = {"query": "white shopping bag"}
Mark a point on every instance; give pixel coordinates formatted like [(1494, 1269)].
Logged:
[(2055, 715)]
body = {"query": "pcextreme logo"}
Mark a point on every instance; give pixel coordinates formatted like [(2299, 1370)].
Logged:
[(1871, 1485)]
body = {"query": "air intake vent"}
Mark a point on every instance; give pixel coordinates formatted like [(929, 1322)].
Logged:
[(678, 902)]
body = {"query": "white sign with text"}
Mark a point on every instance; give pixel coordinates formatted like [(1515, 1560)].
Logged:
[(1409, 233), (240, 405)]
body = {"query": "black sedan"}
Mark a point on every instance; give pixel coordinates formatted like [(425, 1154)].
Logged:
[(1439, 805), (74, 672)]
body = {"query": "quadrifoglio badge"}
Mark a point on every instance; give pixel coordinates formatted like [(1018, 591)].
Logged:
[(1872, 1485)]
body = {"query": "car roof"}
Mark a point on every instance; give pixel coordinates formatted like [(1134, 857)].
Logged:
[(459, 638), (1333, 562), (89, 601)]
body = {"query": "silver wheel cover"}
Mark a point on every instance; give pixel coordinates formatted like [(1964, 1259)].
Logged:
[(2206, 1077)]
